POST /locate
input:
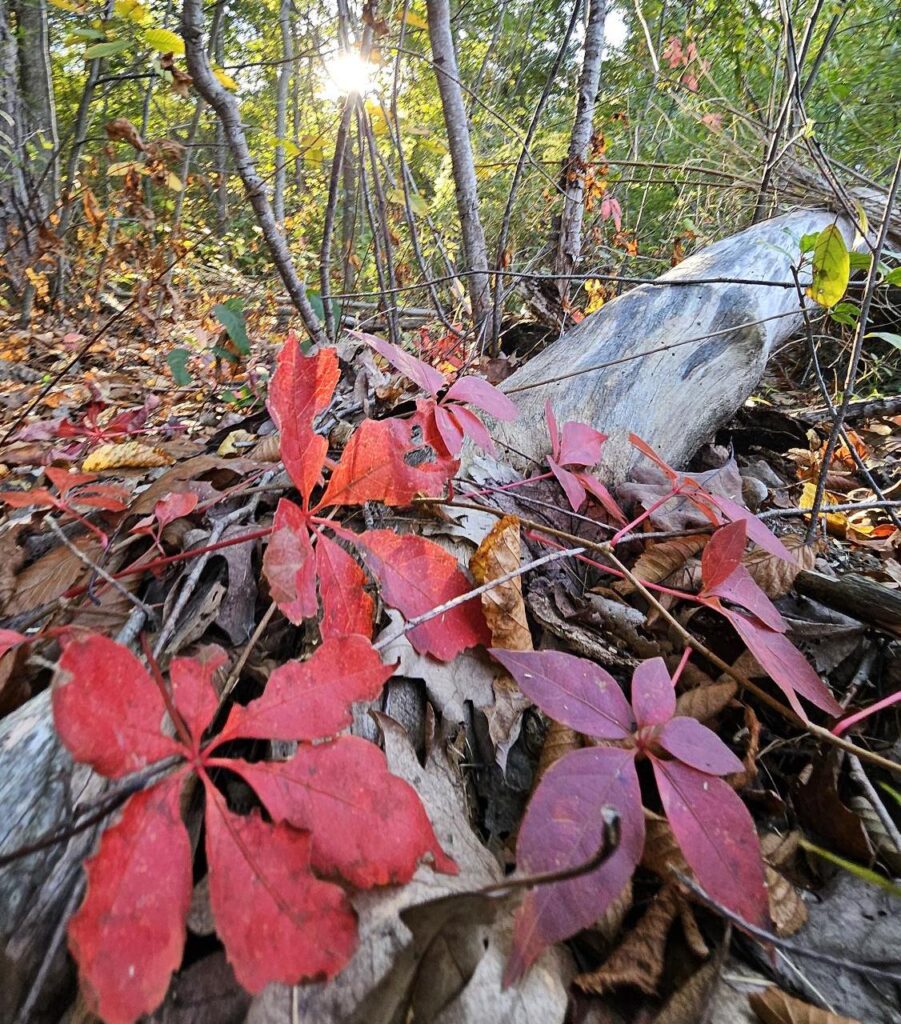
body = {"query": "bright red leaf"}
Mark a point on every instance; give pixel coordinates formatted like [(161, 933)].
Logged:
[(724, 576), (416, 576), (127, 937), (578, 445), (278, 921), (289, 564), (301, 387), (391, 461), (346, 607), (306, 700), (723, 553), (478, 392), (344, 794)]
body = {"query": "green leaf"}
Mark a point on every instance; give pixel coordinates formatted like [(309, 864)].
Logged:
[(163, 40), (106, 49), (231, 315), (892, 339), (893, 276), (865, 874), (178, 366), (845, 313), (808, 242), (860, 260), (831, 267)]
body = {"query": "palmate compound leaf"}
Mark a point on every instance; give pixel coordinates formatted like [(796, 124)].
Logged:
[(367, 825), (301, 387), (127, 937), (716, 834), (563, 828), (278, 922), (415, 576), (571, 690)]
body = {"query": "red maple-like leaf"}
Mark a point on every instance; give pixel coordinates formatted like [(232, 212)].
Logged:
[(346, 607), (289, 564), (277, 919)]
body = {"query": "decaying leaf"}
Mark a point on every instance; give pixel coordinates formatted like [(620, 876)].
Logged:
[(659, 561), (704, 702), (777, 1007), (126, 455), (774, 575)]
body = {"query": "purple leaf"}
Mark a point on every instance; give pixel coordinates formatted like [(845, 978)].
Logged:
[(740, 588), (716, 833), (653, 694), (563, 828), (756, 529), (572, 487), (478, 392), (423, 375), (697, 746), (571, 690)]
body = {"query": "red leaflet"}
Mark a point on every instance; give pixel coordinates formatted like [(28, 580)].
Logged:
[(716, 833), (571, 690), (563, 828), (391, 461), (289, 565), (724, 576), (344, 794), (9, 638), (653, 694), (563, 825), (415, 576), (784, 664), (422, 375), (478, 392), (108, 712), (454, 422), (286, 925), (722, 554), (578, 445), (306, 700), (167, 510), (301, 387), (346, 607), (128, 930), (277, 920)]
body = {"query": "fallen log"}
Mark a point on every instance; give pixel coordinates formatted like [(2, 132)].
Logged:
[(671, 360), (865, 600)]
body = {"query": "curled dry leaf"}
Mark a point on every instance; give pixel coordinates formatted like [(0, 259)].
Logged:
[(704, 702), (659, 561), (886, 848), (777, 1007), (638, 961), (787, 909), (774, 575)]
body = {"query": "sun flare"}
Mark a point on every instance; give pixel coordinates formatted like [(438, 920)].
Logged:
[(347, 74)]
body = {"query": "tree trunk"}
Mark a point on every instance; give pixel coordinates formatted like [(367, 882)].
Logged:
[(226, 108), (670, 361), (457, 125), (37, 96), (569, 238), (281, 111), (14, 225)]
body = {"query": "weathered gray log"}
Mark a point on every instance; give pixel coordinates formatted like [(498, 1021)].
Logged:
[(854, 595), (673, 360)]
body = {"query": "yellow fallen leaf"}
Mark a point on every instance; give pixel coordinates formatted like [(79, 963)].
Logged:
[(127, 455), (836, 522), (236, 443)]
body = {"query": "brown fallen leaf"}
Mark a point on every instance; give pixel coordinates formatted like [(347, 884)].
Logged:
[(51, 575), (126, 455), (661, 851), (787, 909), (505, 612), (777, 1007), (774, 575), (659, 561), (703, 702)]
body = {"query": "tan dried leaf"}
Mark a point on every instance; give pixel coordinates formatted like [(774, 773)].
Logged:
[(267, 449), (659, 561), (778, 849), (688, 1004), (703, 702), (638, 960), (692, 931), (126, 455), (777, 1007), (559, 740), (51, 575), (774, 575), (611, 922), (787, 909), (505, 611), (661, 851), (11, 558)]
